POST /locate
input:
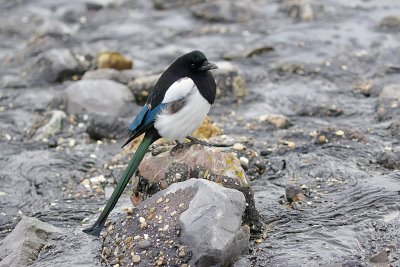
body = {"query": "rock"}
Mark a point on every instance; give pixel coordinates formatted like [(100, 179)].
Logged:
[(141, 87), (223, 11), (99, 4), (389, 160), (72, 248), (395, 129), (124, 76), (97, 96), (228, 140), (196, 161), (175, 217), (158, 172), (52, 127), (279, 121), (381, 257), (294, 194), (57, 65), (216, 213), (22, 246), (390, 23), (390, 92), (207, 129), (12, 81), (302, 10), (242, 262), (389, 102), (113, 60), (104, 126), (229, 81), (167, 4)]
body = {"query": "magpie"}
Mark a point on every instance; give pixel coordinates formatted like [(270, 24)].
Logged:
[(176, 106)]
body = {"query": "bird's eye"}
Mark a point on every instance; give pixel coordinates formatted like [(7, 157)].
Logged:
[(192, 66)]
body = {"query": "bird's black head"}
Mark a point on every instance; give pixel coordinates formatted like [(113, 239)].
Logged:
[(195, 61)]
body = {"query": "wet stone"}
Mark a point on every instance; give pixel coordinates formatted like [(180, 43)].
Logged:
[(223, 11), (97, 97), (124, 76), (105, 126), (390, 23), (56, 65)]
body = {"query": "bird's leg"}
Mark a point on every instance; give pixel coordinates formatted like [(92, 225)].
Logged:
[(194, 141), (179, 145)]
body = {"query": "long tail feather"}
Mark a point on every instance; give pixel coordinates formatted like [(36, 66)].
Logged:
[(149, 138)]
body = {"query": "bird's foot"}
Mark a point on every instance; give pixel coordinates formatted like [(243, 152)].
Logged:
[(94, 230), (194, 141), (177, 147)]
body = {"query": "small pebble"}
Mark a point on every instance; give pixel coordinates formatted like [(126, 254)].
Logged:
[(291, 144), (238, 147), (339, 133), (244, 162), (136, 259), (143, 244), (182, 254), (159, 200)]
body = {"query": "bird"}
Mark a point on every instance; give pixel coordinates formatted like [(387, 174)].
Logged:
[(175, 108)]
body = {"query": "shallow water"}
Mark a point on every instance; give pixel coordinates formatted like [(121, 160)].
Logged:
[(353, 209)]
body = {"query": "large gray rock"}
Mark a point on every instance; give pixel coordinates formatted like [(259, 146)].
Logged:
[(56, 65), (211, 226), (196, 222), (97, 96), (72, 248), (22, 246)]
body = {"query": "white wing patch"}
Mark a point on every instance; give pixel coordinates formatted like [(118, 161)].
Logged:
[(177, 126), (179, 89)]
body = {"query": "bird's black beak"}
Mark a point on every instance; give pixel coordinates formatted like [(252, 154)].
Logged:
[(208, 66)]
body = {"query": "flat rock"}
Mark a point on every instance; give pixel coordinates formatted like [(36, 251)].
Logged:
[(195, 161), (97, 96), (390, 92), (196, 222), (72, 248), (22, 246), (124, 76)]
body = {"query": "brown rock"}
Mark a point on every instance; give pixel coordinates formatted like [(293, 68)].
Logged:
[(279, 121), (113, 60), (196, 161)]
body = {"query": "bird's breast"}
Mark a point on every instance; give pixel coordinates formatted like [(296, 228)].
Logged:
[(182, 117)]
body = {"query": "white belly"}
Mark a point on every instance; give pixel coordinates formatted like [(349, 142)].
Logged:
[(177, 126)]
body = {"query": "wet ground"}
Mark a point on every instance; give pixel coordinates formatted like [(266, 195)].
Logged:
[(324, 70)]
